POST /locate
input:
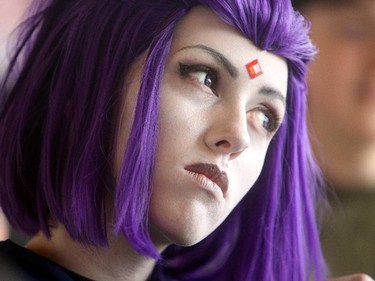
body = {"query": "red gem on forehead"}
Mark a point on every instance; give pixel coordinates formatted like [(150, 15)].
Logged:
[(254, 69)]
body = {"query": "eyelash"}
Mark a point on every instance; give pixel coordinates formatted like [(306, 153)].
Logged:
[(189, 71)]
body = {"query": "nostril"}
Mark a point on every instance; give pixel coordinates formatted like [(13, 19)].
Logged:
[(223, 143)]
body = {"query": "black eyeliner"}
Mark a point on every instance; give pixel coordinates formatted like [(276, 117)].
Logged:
[(187, 69), (274, 118)]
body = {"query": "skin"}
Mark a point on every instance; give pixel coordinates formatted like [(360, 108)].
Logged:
[(342, 91), (11, 12), (228, 121), (4, 230), (221, 125)]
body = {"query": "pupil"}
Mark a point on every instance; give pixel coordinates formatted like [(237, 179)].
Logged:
[(266, 122), (208, 81)]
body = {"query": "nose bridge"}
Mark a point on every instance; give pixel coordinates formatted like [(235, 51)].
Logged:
[(230, 133)]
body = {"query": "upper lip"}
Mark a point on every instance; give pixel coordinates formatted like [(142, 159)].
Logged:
[(212, 172)]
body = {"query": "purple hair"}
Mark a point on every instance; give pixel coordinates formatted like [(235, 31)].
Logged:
[(58, 126)]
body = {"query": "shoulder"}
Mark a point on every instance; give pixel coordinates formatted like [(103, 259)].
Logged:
[(20, 264), (9, 269)]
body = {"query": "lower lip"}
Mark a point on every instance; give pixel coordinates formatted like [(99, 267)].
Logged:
[(207, 184)]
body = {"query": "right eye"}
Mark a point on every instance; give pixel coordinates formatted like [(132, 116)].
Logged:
[(266, 118), (203, 75)]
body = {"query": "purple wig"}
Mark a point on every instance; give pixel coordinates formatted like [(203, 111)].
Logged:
[(58, 126)]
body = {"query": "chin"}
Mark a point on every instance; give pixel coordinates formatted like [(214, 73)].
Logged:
[(187, 239), (180, 235)]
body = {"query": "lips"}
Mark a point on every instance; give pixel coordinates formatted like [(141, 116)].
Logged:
[(212, 172)]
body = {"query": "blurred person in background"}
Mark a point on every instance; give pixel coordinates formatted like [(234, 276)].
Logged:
[(341, 116)]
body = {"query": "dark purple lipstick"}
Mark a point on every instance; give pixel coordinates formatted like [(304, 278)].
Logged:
[(212, 172)]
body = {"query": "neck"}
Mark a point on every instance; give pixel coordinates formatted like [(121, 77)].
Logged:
[(346, 163), (116, 262)]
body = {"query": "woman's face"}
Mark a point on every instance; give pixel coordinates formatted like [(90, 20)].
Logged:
[(215, 125)]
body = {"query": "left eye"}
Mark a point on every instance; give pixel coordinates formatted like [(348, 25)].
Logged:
[(266, 119), (202, 74)]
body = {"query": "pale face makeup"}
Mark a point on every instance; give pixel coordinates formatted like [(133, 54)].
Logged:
[(215, 125)]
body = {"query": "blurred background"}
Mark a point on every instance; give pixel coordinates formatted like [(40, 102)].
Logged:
[(341, 120)]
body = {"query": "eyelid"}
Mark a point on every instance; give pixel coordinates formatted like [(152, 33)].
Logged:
[(187, 69), (218, 57), (277, 118)]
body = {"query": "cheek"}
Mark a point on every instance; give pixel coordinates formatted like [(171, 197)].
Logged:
[(124, 130), (175, 125), (128, 104), (246, 170)]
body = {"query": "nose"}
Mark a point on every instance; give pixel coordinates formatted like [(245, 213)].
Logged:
[(228, 133)]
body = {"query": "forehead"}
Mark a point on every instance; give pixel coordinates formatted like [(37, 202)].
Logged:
[(202, 26), (201, 23)]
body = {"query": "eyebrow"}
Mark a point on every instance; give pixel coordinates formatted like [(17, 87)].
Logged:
[(220, 58), (271, 92)]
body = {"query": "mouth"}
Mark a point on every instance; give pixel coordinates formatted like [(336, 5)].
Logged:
[(213, 173)]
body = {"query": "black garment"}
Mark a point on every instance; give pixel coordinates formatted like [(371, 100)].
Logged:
[(20, 264)]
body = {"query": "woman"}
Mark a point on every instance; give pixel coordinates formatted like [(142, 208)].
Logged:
[(137, 128)]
